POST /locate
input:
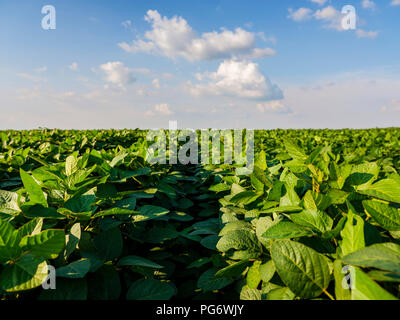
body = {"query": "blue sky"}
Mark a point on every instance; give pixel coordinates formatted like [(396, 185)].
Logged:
[(222, 64)]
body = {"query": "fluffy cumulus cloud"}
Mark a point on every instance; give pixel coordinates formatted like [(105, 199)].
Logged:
[(300, 14), (118, 74), (331, 17), (395, 3), (159, 109), (174, 38), (240, 79)]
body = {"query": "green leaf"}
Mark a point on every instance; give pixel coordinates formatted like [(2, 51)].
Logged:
[(71, 165), (294, 151), (76, 269), (138, 261), (287, 230), (39, 211), (66, 289), (26, 273), (243, 242), (8, 242), (352, 234), (388, 217), (209, 282), (253, 277), (149, 212), (150, 289), (114, 212), (280, 294), (9, 202), (267, 271), (317, 220), (36, 195), (303, 270), (367, 289), (387, 189), (109, 244), (341, 292), (384, 256), (47, 244), (72, 240), (233, 270), (250, 294)]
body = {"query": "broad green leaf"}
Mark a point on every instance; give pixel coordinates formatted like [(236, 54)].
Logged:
[(26, 273), (352, 234), (109, 244), (138, 261), (114, 212), (388, 217), (342, 292), (250, 294), (384, 256), (317, 220), (280, 294), (149, 212), (47, 244), (267, 271), (233, 270), (8, 242), (386, 189), (287, 230), (209, 282), (72, 239), (367, 289), (253, 278), (74, 270), (294, 151), (244, 244), (71, 165), (36, 195), (66, 289), (9, 202), (303, 270), (150, 289)]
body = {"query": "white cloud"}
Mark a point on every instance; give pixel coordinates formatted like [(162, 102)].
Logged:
[(117, 73), (331, 16), (274, 106), (367, 34), (395, 3), (30, 77), (175, 38), (320, 2), (393, 105), (300, 14), (73, 66), (126, 24), (159, 109), (156, 83), (239, 79), (368, 4)]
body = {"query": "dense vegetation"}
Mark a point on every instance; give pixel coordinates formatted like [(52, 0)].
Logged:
[(114, 227)]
